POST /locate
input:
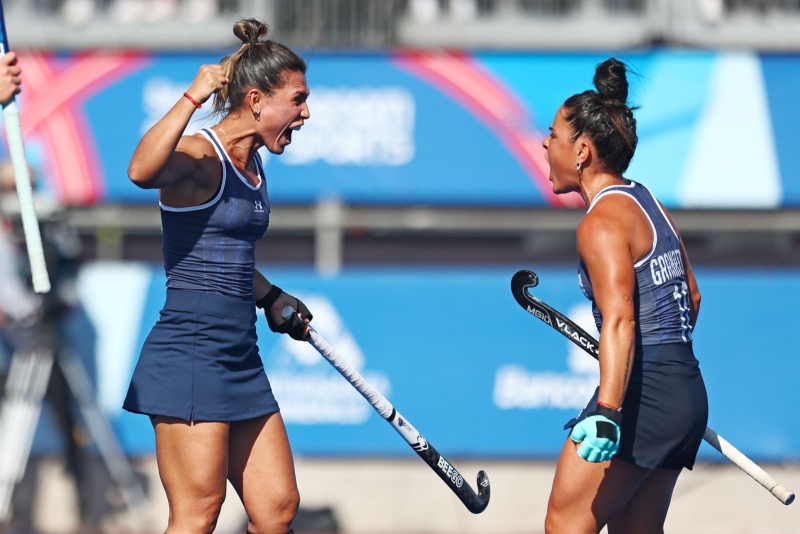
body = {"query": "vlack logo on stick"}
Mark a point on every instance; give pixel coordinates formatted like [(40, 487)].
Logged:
[(518, 387)]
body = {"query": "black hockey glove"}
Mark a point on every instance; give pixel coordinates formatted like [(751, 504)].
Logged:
[(295, 326)]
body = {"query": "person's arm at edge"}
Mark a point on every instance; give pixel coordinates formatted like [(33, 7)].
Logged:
[(10, 80)]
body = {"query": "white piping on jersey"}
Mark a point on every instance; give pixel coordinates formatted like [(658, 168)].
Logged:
[(664, 214), (615, 190), (213, 200), (223, 158), (225, 155)]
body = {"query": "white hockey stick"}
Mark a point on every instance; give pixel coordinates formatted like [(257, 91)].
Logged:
[(525, 279), (30, 224), (475, 502)]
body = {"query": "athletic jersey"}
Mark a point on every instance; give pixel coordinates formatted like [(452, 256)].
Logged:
[(661, 295), (211, 247)]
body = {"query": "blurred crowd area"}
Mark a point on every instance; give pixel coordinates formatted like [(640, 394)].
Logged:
[(123, 11), (760, 24)]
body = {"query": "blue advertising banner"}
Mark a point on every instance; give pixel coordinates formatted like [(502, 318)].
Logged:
[(716, 129), (455, 354)]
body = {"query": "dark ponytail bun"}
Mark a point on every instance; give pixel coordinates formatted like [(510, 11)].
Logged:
[(605, 117), (611, 81)]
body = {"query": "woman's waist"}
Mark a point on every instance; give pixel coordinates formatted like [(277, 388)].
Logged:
[(220, 304), (678, 352), (229, 278)]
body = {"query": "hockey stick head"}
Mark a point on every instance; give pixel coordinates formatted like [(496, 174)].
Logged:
[(524, 279), (484, 491), (520, 283), (476, 502)]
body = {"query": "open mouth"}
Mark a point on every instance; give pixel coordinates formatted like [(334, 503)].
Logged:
[(287, 134)]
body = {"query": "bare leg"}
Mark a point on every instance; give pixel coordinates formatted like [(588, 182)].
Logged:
[(261, 469), (647, 509), (586, 495), (192, 463)]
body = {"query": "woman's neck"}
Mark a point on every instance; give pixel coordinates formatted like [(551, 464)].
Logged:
[(599, 182), (236, 145)]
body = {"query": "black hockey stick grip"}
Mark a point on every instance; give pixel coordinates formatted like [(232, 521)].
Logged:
[(525, 279), (475, 502)]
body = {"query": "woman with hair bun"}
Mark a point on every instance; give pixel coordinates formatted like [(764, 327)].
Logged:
[(647, 417), (199, 375)]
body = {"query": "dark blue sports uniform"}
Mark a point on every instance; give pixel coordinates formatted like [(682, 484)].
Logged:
[(200, 361), (665, 410)]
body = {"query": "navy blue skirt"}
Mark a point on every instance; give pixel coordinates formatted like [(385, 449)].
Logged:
[(665, 411), (200, 362)]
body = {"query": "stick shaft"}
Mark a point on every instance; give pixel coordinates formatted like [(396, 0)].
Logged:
[(781, 492), (475, 502), (22, 177), (373, 396)]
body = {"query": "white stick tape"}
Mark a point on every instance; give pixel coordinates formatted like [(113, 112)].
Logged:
[(30, 223), (781, 492), (373, 396)]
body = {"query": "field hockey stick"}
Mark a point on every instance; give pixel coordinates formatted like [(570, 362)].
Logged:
[(475, 502), (22, 177), (523, 280)]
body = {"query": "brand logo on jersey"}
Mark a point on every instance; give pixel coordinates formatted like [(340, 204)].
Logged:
[(259, 206), (450, 472), (666, 266), (539, 314)]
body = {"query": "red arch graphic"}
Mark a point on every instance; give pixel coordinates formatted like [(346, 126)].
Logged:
[(463, 79), (54, 92)]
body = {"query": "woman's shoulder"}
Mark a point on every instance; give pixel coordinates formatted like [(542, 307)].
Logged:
[(614, 201), (611, 213), (196, 145), (198, 166)]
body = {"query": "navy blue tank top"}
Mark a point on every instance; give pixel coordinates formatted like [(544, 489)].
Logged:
[(211, 247), (661, 295)]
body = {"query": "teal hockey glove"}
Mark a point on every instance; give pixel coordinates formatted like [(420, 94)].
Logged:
[(598, 435)]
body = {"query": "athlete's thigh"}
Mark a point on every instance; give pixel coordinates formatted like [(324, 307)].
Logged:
[(647, 509), (192, 458), (261, 468), (591, 493)]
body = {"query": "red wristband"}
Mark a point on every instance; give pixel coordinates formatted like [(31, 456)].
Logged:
[(197, 104), (604, 405)]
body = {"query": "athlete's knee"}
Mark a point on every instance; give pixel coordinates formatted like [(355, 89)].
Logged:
[(554, 520), (199, 518), (552, 523), (559, 522), (278, 517)]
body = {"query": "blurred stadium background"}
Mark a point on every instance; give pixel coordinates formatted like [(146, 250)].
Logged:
[(400, 213)]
